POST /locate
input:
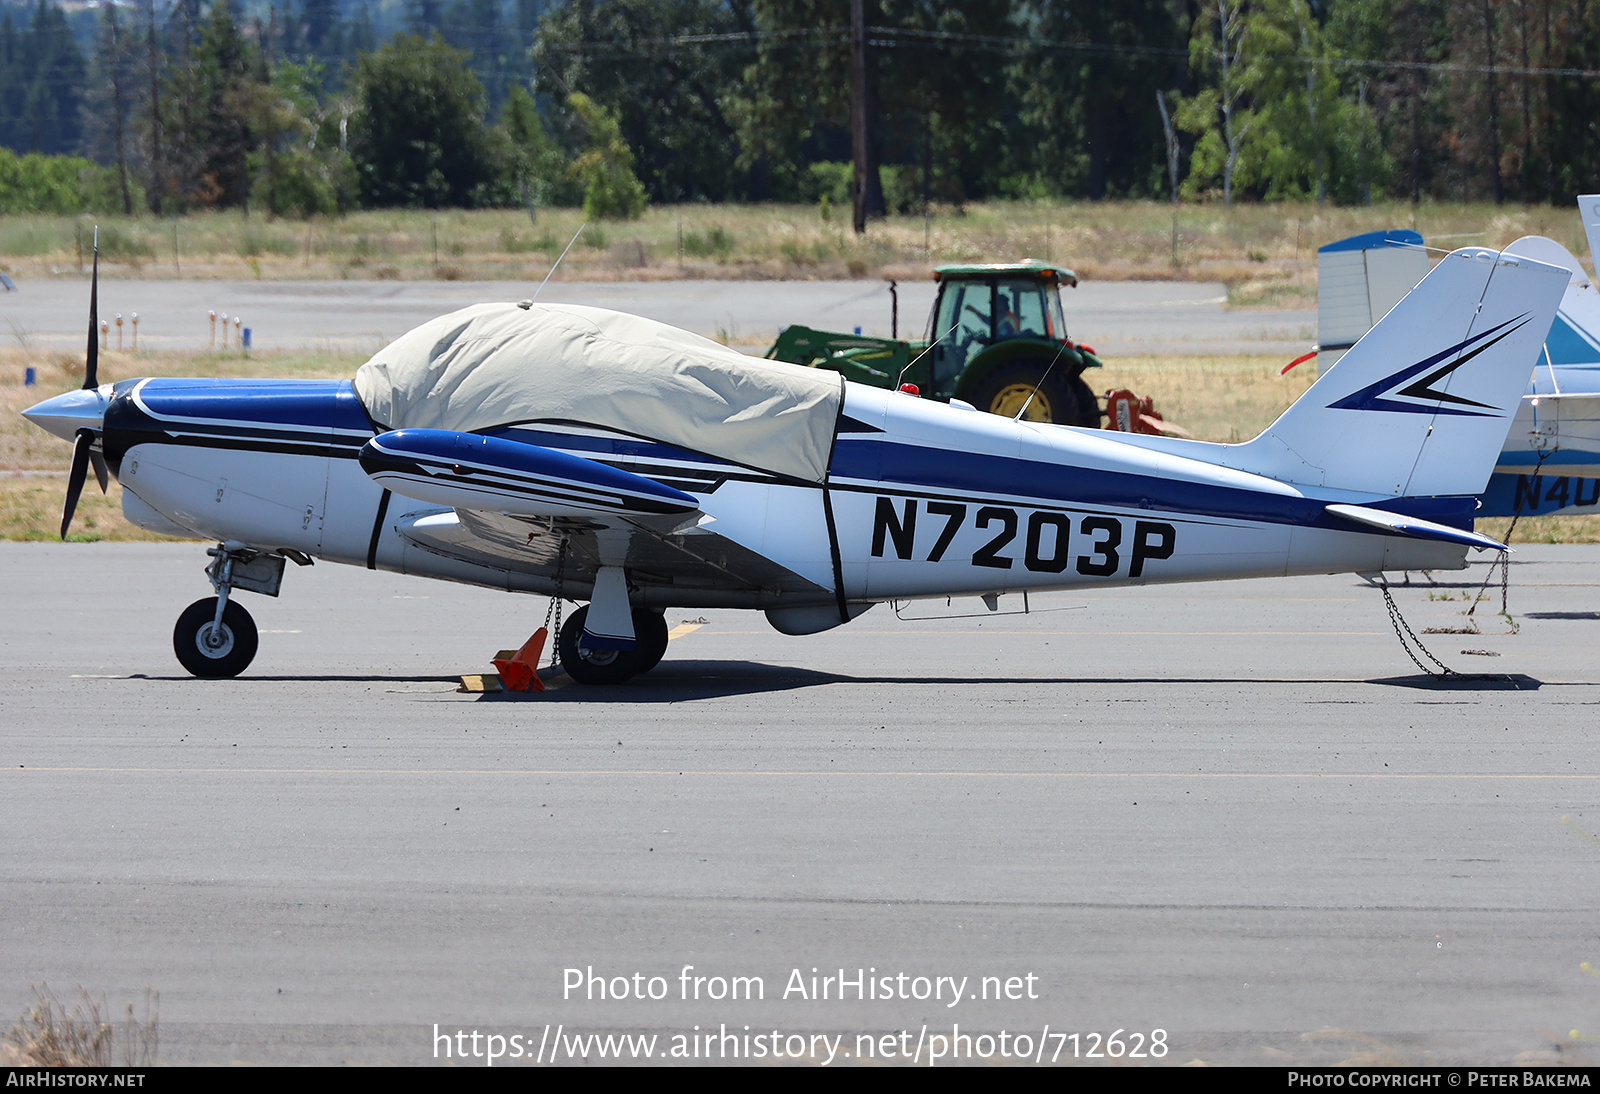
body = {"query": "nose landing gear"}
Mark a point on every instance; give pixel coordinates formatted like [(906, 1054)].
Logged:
[(215, 637)]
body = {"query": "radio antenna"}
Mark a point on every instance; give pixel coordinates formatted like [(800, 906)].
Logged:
[(557, 266), (1040, 381), (924, 353)]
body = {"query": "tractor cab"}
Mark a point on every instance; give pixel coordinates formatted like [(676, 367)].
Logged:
[(1000, 342), (982, 306)]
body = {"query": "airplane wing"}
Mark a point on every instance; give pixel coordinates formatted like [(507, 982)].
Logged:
[(1359, 280), (511, 504)]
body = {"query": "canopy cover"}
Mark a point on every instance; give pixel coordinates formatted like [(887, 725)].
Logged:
[(494, 365)]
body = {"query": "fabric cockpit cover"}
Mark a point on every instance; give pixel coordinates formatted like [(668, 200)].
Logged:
[(495, 365)]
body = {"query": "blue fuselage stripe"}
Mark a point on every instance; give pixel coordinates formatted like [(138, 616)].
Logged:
[(920, 468)]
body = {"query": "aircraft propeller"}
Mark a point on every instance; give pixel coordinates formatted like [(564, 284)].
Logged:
[(84, 452)]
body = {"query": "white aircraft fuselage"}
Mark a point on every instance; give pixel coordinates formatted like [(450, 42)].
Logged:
[(926, 501)]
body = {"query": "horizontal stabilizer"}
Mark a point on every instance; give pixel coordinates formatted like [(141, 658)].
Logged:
[(471, 471), (1415, 527)]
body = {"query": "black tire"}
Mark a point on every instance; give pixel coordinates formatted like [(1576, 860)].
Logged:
[(1090, 416), (228, 653), (593, 666), (1009, 388), (650, 631)]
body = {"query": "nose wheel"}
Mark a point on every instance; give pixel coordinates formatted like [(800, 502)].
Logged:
[(612, 666), (214, 648)]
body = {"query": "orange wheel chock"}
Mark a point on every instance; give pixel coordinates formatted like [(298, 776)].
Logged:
[(520, 672)]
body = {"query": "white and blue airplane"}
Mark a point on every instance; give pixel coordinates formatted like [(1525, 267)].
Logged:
[(593, 456)]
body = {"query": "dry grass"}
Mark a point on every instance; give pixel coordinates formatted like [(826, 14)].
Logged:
[(1266, 254), (30, 509), (50, 1035), (1214, 398), (1570, 529)]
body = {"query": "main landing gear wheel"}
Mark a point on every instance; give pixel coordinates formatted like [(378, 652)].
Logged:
[(650, 631), (212, 651), (592, 666), (612, 666)]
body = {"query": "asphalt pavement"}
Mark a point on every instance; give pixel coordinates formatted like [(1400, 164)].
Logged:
[(1233, 813), (1117, 318)]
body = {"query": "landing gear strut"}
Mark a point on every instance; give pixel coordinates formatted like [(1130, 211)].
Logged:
[(590, 666), (215, 637)]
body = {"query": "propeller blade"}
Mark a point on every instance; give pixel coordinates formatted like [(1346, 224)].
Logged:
[(102, 473), (91, 360), (75, 477)]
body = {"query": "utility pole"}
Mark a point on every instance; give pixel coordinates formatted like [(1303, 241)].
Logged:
[(866, 187), (153, 197), (115, 65), (1172, 165)]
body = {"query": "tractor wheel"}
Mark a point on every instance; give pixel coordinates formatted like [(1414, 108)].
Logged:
[(1049, 395), (1089, 413)]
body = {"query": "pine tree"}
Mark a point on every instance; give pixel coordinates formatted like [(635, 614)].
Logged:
[(112, 102), (42, 111)]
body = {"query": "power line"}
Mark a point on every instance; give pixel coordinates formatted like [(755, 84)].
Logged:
[(891, 38), (903, 37)]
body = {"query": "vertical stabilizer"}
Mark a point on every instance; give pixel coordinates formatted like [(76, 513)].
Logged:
[(1574, 338), (1420, 405), (1589, 211)]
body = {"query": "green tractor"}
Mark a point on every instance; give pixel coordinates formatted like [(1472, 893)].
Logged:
[(996, 340)]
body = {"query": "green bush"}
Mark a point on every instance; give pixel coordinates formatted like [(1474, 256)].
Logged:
[(611, 191), (296, 183), (718, 241), (825, 180), (60, 184), (902, 188), (102, 190)]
